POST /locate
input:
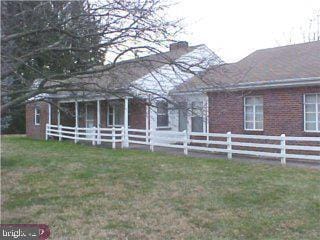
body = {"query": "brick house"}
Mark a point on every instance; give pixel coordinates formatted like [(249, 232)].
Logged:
[(137, 100), (271, 92)]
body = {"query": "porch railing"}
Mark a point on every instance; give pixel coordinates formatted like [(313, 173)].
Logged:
[(94, 135), (281, 147)]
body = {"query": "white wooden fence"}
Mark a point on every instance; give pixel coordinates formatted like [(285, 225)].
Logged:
[(282, 147), (94, 135)]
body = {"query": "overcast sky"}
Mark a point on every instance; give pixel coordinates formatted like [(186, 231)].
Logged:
[(235, 28)]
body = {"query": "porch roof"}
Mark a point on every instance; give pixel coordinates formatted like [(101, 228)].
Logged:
[(87, 97)]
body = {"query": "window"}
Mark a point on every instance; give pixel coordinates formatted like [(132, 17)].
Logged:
[(197, 117), (253, 113), (90, 115), (312, 112), (183, 116), (115, 115), (37, 115), (162, 114), (110, 115)]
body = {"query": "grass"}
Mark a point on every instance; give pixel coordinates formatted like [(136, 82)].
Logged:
[(85, 192)]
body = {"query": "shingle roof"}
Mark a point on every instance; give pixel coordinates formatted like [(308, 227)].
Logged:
[(128, 75), (125, 72), (272, 64), (128, 71)]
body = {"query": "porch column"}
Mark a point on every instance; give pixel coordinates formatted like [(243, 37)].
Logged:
[(59, 115), (189, 114), (126, 122), (59, 123), (147, 122), (76, 112), (49, 122), (98, 123), (208, 120), (147, 116), (76, 106), (49, 113)]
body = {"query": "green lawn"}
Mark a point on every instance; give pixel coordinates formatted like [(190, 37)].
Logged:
[(85, 192)]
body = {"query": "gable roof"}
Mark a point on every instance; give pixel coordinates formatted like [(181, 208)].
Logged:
[(162, 80), (139, 72), (299, 61), (125, 72)]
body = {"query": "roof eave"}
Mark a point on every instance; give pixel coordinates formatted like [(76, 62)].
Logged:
[(292, 82)]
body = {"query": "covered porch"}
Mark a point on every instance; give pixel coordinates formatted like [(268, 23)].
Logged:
[(112, 112), (131, 112), (126, 112)]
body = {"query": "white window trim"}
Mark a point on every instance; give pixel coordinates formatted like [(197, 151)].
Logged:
[(88, 120), (317, 113), (204, 123), (164, 127), (183, 109), (113, 117), (35, 115), (168, 125), (254, 115)]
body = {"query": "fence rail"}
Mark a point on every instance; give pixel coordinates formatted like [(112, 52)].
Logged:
[(282, 147)]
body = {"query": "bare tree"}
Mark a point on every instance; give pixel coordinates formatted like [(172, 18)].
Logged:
[(313, 32), (115, 28), (308, 32)]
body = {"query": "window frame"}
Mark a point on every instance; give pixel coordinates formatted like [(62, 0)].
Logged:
[(163, 114), (317, 112), (87, 109), (37, 112), (202, 115), (254, 114), (183, 114), (113, 106), (108, 115)]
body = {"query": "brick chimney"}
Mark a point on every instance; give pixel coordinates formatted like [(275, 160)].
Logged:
[(179, 45)]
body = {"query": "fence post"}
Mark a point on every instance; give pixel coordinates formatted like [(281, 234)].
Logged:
[(122, 137), (75, 134), (60, 133), (151, 141), (185, 143), (147, 136), (283, 149), (98, 135), (126, 137), (94, 136), (229, 145), (47, 132), (113, 138)]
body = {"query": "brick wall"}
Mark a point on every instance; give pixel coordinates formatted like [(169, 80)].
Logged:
[(282, 108), (32, 130), (67, 114), (138, 114)]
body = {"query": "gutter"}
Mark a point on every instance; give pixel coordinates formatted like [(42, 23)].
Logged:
[(292, 82)]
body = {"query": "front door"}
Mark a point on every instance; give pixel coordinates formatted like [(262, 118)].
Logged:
[(89, 119)]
